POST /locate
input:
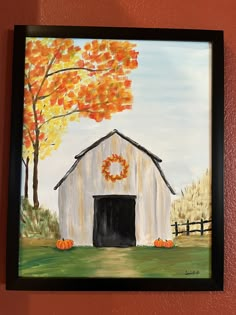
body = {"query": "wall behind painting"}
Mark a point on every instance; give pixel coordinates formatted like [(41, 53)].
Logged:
[(203, 14)]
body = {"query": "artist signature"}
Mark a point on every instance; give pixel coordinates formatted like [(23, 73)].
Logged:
[(192, 272)]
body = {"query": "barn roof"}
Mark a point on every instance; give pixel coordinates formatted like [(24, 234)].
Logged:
[(156, 160)]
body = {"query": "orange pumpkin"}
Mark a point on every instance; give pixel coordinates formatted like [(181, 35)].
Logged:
[(159, 242), (168, 244), (64, 244)]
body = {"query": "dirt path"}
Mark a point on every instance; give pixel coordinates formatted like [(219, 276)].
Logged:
[(116, 263)]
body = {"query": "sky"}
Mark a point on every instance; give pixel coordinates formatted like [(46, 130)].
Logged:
[(170, 117)]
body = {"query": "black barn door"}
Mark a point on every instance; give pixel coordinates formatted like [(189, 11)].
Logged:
[(114, 221)]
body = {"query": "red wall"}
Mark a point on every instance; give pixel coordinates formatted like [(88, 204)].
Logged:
[(203, 14)]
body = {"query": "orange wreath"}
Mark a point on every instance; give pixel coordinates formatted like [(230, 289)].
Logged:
[(106, 168)]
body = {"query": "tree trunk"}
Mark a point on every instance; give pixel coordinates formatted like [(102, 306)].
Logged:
[(26, 177), (35, 171)]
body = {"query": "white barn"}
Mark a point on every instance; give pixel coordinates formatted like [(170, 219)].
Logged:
[(115, 194)]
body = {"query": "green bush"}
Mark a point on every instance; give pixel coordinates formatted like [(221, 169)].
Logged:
[(37, 223)]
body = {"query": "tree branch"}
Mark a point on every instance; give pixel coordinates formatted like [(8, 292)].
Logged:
[(31, 139), (69, 113), (37, 95), (64, 70), (45, 77), (45, 96), (24, 162), (30, 88), (75, 68), (59, 116)]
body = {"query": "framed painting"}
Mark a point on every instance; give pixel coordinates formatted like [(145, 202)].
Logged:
[(116, 161)]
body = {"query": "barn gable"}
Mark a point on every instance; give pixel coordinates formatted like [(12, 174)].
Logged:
[(156, 160)]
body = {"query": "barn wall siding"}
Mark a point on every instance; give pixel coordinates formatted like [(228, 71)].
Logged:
[(76, 202)]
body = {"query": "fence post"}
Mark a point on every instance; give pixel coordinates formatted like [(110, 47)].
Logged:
[(187, 227), (176, 229), (202, 227)]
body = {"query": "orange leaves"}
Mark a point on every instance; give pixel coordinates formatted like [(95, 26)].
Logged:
[(95, 44), (68, 105), (105, 97), (115, 46), (125, 55), (64, 82), (28, 138), (71, 94), (87, 46), (41, 136), (101, 89), (27, 143), (80, 63), (112, 59), (103, 45), (27, 96), (61, 90), (53, 101), (127, 107), (120, 55), (27, 117), (85, 55), (133, 54), (133, 64), (127, 83), (108, 54), (98, 117), (65, 58), (27, 65), (60, 101), (68, 42), (111, 63), (38, 71), (57, 55)]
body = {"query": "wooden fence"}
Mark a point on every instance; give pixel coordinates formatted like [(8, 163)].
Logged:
[(188, 224)]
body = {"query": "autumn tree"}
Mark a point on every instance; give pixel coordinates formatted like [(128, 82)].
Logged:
[(64, 82)]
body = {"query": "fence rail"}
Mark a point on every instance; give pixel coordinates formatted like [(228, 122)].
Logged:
[(201, 230)]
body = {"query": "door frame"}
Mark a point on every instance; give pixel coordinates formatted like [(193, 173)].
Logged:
[(111, 196)]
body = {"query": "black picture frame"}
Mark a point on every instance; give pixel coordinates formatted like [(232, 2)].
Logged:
[(13, 280)]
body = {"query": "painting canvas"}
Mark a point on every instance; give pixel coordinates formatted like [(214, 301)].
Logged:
[(115, 159)]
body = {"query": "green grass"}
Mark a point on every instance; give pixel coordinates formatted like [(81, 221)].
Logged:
[(174, 262), (45, 261)]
